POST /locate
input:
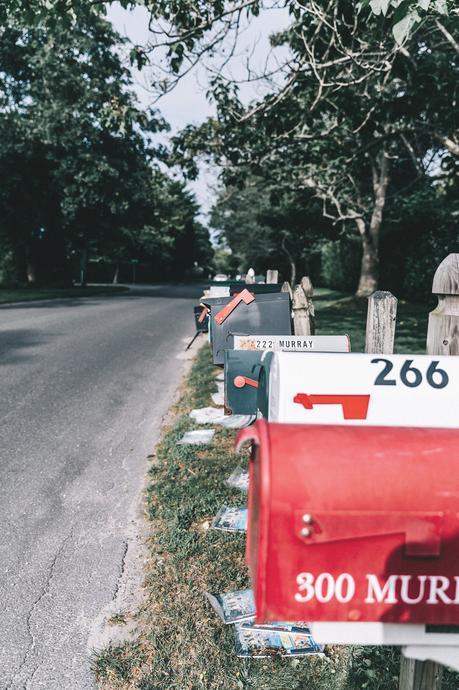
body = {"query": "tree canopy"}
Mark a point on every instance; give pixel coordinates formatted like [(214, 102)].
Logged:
[(79, 166)]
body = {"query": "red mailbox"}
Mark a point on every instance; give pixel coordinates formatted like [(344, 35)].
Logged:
[(352, 523)]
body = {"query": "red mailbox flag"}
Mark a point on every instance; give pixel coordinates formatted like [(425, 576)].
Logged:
[(354, 523)]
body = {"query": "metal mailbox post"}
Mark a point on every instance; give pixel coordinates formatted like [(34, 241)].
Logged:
[(246, 313), (354, 524)]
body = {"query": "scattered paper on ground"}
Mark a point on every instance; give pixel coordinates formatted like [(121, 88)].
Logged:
[(231, 519), (218, 398), (239, 479), (207, 415), (233, 607), (252, 641), (196, 437), (237, 421)]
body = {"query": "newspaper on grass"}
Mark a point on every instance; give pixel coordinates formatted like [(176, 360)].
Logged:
[(233, 607), (237, 421), (218, 398), (214, 415), (197, 437), (239, 479), (253, 641), (207, 415), (230, 519)]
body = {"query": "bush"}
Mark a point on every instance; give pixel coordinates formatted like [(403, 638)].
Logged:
[(340, 264)]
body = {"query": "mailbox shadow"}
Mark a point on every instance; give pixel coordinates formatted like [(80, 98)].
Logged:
[(398, 563)]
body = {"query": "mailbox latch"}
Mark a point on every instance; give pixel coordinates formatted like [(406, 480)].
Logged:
[(422, 530)]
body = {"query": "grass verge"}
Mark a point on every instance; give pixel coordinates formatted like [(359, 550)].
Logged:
[(182, 644), (8, 296), (338, 313)]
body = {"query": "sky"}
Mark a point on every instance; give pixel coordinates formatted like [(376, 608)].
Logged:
[(187, 103)]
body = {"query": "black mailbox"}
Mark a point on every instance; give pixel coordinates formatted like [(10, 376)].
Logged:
[(247, 313)]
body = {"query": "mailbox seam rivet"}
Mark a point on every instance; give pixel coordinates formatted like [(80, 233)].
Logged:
[(305, 532), (307, 518)]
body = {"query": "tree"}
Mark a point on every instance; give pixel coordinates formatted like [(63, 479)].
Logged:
[(263, 225), (343, 139), (78, 163)]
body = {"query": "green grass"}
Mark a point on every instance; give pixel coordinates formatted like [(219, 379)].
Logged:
[(8, 296), (183, 645), (340, 313)]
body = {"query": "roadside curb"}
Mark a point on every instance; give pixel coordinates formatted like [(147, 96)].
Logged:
[(129, 592)]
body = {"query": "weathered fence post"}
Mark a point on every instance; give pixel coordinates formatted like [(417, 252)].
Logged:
[(443, 329), (303, 309), (381, 316), (419, 675), (286, 288), (250, 276), (272, 276)]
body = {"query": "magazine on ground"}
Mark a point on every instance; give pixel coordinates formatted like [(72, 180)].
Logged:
[(253, 641), (239, 479), (233, 607), (237, 421), (230, 519), (196, 437), (207, 415), (218, 398)]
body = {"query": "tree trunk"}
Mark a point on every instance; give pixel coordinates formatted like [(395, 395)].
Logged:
[(116, 274), (369, 267), (83, 266), (292, 272), (369, 270), (292, 264), (31, 269)]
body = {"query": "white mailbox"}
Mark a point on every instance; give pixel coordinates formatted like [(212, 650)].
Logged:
[(361, 389)]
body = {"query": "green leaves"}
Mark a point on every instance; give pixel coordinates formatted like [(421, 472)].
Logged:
[(403, 27)]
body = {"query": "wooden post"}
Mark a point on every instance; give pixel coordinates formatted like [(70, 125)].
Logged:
[(250, 276), (272, 276), (443, 329), (303, 309), (286, 288), (419, 675), (308, 290), (381, 316)]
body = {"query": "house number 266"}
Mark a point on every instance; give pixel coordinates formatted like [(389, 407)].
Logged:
[(411, 376)]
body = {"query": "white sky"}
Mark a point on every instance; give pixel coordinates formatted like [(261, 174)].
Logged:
[(187, 103)]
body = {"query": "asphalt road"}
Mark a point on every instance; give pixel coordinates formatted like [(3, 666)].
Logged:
[(84, 386)]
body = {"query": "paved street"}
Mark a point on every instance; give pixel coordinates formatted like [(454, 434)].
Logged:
[(84, 385)]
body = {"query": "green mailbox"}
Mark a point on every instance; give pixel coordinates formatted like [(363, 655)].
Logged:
[(242, 368), (246, 313), (262, 403)]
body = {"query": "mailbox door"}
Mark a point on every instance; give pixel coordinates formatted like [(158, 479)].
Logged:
[(201, 320), (263, 385), (241, 381), (354, 523), (269, 313)]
